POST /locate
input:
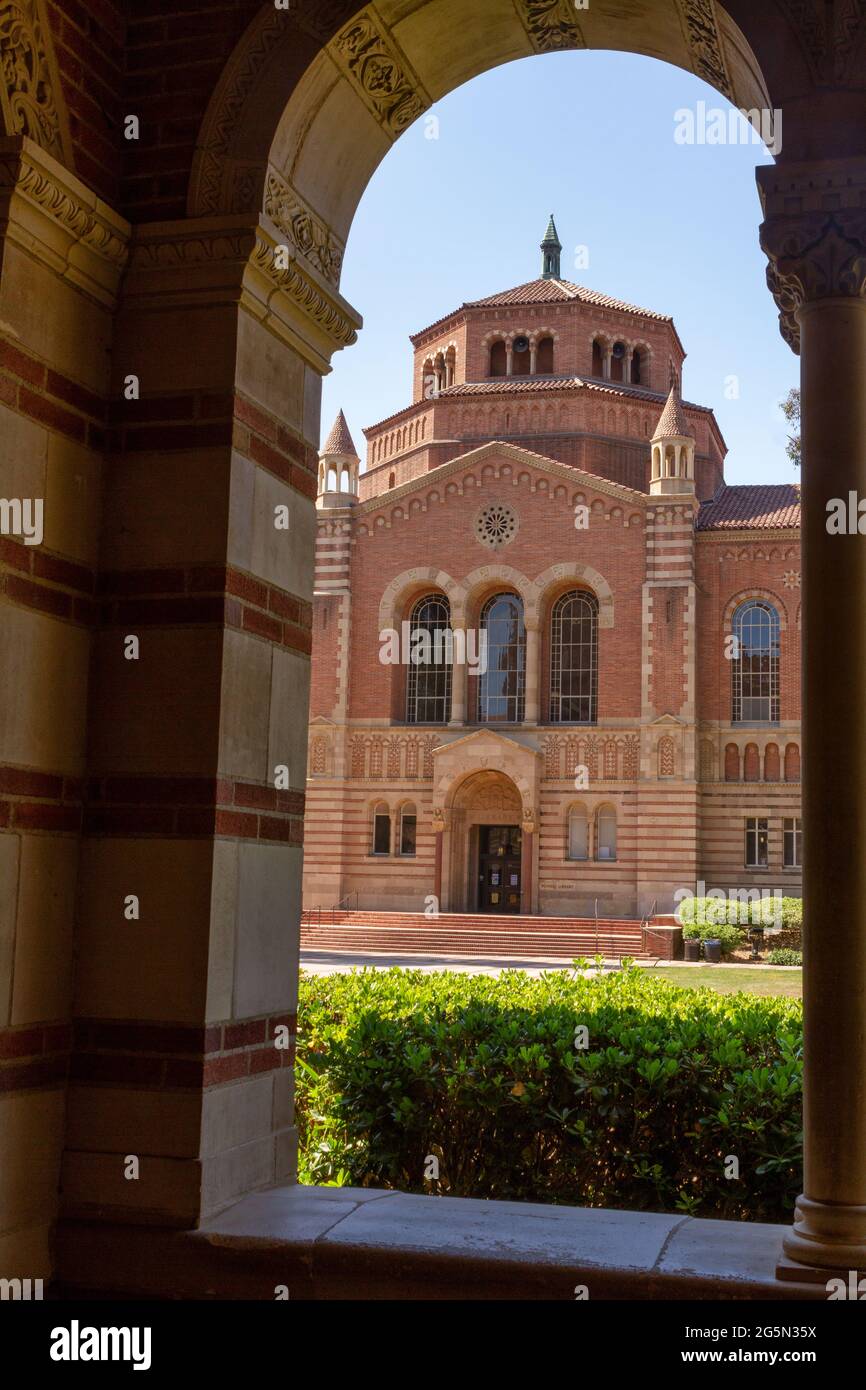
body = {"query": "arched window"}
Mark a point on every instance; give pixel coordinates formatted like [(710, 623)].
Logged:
[(381, 829), (637, 367), (597, 357), (392, 479), (617, 362), (408, 824), (574, 659), (428, 675), (755, 664), (605, 833), (501, 688), (497, 359), (792, 763), (578, 833), (751, 763), (544, 357)]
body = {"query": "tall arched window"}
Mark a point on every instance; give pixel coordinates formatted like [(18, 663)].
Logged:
[(501, 688), (597, 357), (408, 824), (605, 833), (498, 359), (428, 678), (574, 659), (578, 833), (381, 829), (755, 664), (637, 367)]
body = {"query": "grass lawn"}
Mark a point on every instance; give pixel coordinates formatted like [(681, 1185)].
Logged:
[(729, 979)]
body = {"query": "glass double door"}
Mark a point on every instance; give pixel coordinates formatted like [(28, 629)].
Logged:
[(499, 868)]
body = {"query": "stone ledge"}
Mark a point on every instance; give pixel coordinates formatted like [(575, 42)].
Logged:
[(350, 1243)]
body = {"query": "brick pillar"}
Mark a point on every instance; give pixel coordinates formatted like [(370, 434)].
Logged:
[(63, 253), (191, 871)]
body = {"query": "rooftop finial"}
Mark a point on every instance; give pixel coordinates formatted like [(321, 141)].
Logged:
[(551, 248)]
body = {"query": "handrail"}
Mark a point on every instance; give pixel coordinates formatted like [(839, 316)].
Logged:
[(309, 915)]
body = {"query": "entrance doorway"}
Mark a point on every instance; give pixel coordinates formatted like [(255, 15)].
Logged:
[(499, 868)]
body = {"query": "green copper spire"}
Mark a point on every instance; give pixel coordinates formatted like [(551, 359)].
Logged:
[(550, 251)]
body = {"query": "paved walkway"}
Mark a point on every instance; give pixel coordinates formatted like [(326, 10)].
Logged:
[(337, 962)]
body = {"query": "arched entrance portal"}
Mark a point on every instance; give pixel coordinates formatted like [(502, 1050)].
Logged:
[(484, 845)]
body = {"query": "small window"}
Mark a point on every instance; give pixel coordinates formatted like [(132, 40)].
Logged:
[(793, 840), (381, 830), (605, 837), (578, 833), (757, 837), (408, 823)]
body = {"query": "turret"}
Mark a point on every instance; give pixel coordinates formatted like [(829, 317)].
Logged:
[(673, 450), (339, 467)]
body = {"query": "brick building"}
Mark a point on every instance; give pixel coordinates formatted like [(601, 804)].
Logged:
[(550, 507)]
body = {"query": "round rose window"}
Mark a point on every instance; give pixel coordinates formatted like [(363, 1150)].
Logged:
[(496, 525)]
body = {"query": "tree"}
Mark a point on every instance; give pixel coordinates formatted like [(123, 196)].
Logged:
[(791, 412)]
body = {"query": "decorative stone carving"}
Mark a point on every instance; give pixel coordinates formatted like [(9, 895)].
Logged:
[(440, 818), (527, 820), (550, 24), (28, 80), (827, 34), (814, 255), (21, 172), (703, 34), (302, 228), (381, 74)]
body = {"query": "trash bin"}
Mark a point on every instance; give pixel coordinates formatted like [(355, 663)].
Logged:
[(712, 951), (692, 948)]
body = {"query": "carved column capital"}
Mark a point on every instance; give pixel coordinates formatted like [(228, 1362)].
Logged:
[(814, 235)]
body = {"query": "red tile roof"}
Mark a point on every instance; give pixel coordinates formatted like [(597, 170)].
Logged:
[(740, 508), (528, 385), (546, 292)]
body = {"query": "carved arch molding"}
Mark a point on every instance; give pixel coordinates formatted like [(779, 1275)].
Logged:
[(30, 87)]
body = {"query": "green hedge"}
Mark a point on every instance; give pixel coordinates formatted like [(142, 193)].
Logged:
[(483, 1074), (705, 912), (784, 956)]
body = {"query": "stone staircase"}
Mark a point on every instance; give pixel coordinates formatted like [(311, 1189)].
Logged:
[(474, 934)]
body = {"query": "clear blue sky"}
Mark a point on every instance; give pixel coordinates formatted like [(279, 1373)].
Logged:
[(671, 227)]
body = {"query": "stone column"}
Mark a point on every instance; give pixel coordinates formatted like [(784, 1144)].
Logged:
[(439, 822), (527, 849), (533, 354), (509, 360), (533, 645), (197, 750), (605, 365), (815, 237), (458, 689), (62, 256)]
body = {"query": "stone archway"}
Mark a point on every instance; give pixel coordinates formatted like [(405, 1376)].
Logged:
[(229, 347)]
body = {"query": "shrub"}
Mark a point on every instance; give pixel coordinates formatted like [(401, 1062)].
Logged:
[(730, 936), (487, 1075), (785, 956)]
